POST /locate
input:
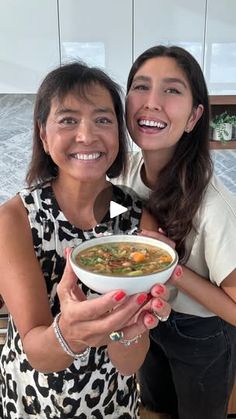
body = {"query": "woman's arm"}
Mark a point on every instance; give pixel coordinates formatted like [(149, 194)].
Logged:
[(133, 355), (219, 300), (133, 315), (136, 352), (128, 359), (83, 322), (23, 288), (229, 285)]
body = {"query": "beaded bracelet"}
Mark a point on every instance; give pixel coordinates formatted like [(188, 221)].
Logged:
[(83, 356), (128, 342)]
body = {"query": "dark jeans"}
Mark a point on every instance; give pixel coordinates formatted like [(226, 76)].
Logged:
[(190, 368)]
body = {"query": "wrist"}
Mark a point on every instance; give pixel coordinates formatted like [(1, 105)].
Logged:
[(82, 355), (129, 343), (76, 345)]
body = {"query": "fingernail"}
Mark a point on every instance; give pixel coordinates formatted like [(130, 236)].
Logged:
[(159, 289), (119, 296), (158, 304), (141, 298), (178, 271), (149, 319)]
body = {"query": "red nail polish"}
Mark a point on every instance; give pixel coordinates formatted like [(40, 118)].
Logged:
[(119, 295), (159, 289), (149, 319), (158, 304), (141, 298), (178, 272)]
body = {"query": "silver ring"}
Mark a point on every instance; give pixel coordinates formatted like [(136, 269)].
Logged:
[(116, 336), (161, 318)]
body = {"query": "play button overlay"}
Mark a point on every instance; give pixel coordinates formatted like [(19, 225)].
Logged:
[(116, 209), (111, 202)]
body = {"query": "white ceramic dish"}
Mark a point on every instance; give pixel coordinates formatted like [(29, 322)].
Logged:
[(130, 284)]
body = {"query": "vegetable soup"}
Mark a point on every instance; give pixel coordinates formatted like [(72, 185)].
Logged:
[(126, 259)]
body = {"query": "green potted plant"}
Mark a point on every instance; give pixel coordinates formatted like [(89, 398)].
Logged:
[(222, 127), (233, 122)]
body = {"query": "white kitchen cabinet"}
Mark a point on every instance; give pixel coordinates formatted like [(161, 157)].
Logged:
[(99, 33), (36, 35), (220, 52), (170, 22), (29, 44)]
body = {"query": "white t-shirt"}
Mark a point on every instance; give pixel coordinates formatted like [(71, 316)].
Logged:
[(213, 249)]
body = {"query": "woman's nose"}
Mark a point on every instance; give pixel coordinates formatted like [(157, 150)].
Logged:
[(153, 101), (84, 132)]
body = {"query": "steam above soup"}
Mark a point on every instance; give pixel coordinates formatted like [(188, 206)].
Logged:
[(126, 259)]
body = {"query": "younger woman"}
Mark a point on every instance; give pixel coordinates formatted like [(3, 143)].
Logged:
[(190, 368)]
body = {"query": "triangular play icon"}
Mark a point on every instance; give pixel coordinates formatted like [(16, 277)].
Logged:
[(116, 209)]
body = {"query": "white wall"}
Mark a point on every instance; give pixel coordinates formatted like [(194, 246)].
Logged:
[(29, 43), (36, 35)]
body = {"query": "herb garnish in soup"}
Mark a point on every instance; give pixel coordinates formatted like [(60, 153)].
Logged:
[(126, 259)]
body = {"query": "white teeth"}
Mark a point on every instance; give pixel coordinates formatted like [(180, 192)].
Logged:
[(151, 123), (92, 156)]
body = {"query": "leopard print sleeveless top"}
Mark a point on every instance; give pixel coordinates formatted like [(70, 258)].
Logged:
[(87, 389)]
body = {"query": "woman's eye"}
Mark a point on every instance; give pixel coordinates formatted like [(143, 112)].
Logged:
[(172, 90), (140, 87), (104, 120), (68, 121)]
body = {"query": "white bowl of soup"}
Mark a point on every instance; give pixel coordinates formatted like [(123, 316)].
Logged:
[(131, 263)]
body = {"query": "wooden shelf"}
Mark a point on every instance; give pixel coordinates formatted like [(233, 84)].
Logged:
[(223, 100), (219, 145), (220, 104)]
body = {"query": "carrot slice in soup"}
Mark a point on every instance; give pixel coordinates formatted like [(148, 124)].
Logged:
[(137, 257)]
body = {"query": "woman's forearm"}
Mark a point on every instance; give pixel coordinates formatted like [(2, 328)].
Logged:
[(207, 294), (44, 352), (128, 359)]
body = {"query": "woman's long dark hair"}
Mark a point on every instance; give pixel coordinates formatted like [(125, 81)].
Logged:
[(182, 182), (76, 78)]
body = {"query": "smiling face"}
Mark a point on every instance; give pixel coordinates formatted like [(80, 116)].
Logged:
[(81, 134), (159, 105)]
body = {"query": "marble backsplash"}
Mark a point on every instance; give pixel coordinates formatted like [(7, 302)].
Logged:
[(16, 116)]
